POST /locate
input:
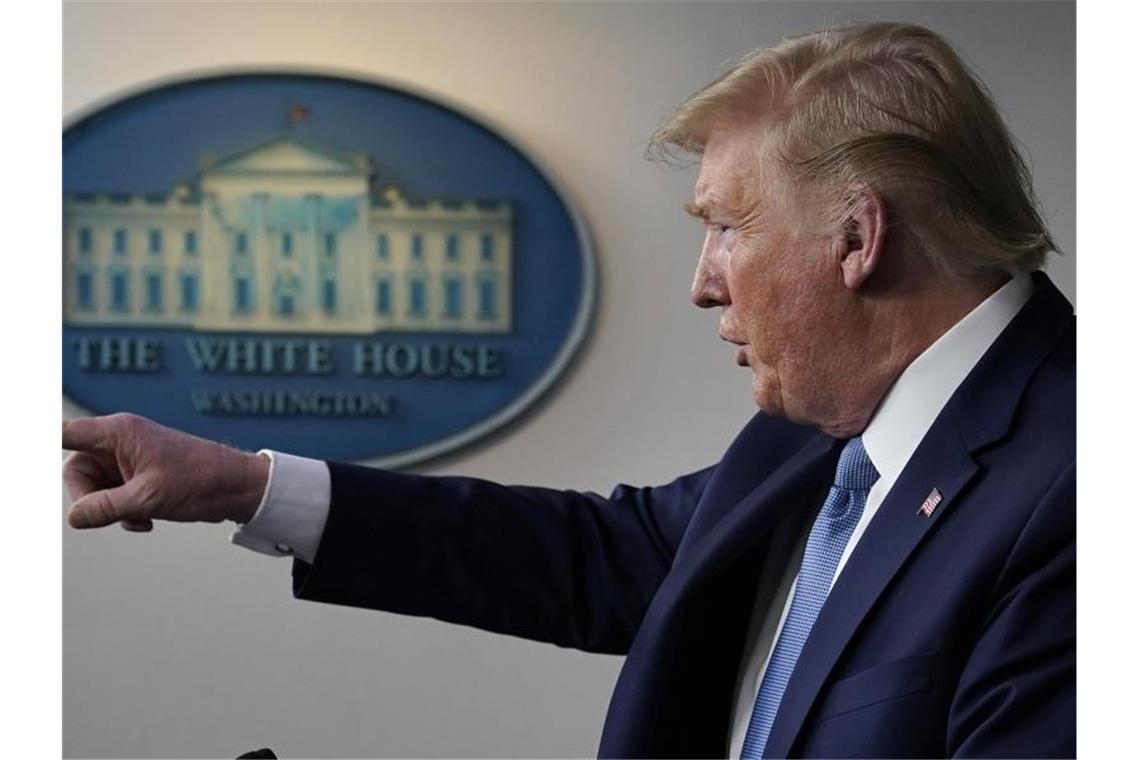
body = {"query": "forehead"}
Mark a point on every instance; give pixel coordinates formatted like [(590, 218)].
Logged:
[(732, 169)]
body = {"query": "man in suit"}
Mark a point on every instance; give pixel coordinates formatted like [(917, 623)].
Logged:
[(882, 563)]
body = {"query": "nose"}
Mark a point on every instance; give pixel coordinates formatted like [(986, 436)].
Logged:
[(709, 287)]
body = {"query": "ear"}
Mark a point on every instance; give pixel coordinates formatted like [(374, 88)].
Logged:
[(864, 237)]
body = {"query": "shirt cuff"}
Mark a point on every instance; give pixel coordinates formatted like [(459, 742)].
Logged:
[(291, 516)]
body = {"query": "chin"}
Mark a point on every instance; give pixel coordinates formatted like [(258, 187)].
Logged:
[(766, 393)]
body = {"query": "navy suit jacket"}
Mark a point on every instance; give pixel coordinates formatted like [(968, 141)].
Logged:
[(953, 634)]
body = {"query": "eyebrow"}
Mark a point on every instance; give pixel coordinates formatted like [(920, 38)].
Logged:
[(698, 210)]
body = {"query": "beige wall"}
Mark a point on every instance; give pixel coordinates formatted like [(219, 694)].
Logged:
[(178, 644)]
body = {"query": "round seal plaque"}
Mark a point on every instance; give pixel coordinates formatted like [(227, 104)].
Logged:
[(320, 264)]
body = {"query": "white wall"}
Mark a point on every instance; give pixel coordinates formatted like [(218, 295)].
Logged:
[(178, 644)]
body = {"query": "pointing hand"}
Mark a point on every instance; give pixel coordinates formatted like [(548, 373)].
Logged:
[(126, 468)]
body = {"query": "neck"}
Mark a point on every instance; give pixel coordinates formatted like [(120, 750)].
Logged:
[(898, 328)]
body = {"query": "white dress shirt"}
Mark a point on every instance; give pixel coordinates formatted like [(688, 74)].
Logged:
[(293, 510)]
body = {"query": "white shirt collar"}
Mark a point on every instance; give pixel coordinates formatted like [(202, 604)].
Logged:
[(918, 395)]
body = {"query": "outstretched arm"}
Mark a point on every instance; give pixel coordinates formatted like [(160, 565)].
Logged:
[(575, 569)]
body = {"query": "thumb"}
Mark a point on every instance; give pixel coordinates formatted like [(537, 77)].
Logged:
[(101, 508)]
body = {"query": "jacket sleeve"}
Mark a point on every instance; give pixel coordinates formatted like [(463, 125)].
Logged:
[(573, 569), (1017, 694)]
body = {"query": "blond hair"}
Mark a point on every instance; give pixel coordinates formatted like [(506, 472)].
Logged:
[(893, 109)]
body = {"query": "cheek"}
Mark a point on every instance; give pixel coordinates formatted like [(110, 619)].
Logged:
[(781, 307), (766, 304)]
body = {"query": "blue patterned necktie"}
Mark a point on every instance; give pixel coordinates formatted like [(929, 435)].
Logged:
[(833, 526)]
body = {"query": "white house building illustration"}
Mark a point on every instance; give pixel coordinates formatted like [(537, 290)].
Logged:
[(287, 235)]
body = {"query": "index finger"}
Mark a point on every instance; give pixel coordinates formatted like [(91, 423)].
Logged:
[(83, 433)]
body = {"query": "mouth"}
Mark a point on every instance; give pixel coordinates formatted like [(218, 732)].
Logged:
[(741, 352)]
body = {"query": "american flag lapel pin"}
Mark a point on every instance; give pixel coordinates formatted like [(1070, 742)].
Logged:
[(931, 503)]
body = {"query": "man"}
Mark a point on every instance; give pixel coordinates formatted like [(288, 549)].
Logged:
[(882, 563)]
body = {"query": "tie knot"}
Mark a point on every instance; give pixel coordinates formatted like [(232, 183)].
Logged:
[(855, 471)]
